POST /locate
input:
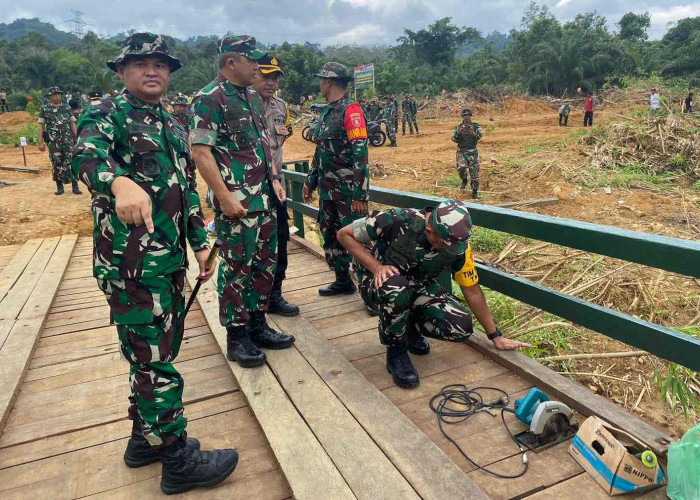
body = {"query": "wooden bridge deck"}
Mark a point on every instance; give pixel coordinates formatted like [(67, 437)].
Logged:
[(320, 421)]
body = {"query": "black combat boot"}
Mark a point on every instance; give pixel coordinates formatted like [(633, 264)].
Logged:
[(475, 194), (76, 189), (241, 349), (419, 345), (399, 364), (342, 285), (392, 144), (263, 335), (463, 186), (139, 451), (417, 129), (185, 468), (59, 188), (278, 305)]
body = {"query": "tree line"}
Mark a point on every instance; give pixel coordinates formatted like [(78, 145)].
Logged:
[(542, 56)]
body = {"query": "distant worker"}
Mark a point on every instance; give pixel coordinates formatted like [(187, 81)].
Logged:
[(395, 105), (389, 114), (57, 129), (374, 110), (95, 96), (363, 105), (466, 135), (688, 103), (339, 170), (654, 100), (589, 107), (407, 115), (414, 112), (400, 278), (3, 101), (279, 128), (133, 157), (564, 114), (75, 109)]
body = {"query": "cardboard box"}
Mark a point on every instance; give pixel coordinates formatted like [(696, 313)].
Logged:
[(608, 455)]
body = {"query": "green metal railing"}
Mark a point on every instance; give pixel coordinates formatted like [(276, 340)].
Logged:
[(670, 254)]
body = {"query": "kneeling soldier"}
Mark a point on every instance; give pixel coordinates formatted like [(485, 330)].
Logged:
[(135, 160), (400, 278)]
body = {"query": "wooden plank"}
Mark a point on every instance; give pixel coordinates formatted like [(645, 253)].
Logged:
[(14, 361), (22, 339), (11, 273), (540, 202), (5, 327), (311, 477), (26, 170), (368, 472), (573, 394), (315, 280), (107, 471), (584, 486), (546, 468), (93, 436), (429, 471), (342, 329), (15, 299), (209, 383), (41, 298)]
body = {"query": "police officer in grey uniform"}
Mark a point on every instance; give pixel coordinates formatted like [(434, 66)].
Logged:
[(279, 127)]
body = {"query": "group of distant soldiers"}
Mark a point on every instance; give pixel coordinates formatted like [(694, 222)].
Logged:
[(390, 113), (140, 163)]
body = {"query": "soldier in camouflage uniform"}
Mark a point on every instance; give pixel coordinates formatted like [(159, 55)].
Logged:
[(389, 114), (339, 170), (409, 108), (57, 130), (466, 135), (181, 111), (400, 276), (232, 152), (134, 158), (374, 110)]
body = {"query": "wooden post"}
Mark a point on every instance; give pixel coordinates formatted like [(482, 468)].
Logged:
[(24, 156)]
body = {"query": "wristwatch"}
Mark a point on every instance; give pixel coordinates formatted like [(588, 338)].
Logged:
[(277, 177), (495, 334)]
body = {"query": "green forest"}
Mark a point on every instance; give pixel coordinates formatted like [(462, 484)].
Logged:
[(541, 56)]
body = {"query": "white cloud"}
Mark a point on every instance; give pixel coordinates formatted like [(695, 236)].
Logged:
[(562, 3), (361, 33), (662, 17)]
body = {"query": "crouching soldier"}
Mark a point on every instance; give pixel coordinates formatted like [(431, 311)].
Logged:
[(400, 277)]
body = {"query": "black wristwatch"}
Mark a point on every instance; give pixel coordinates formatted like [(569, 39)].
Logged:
[(497, 333), (277, 177)]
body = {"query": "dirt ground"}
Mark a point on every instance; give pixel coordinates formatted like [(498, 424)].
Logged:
[(524, 155)]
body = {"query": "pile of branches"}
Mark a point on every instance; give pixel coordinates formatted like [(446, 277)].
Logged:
[(661, 143)]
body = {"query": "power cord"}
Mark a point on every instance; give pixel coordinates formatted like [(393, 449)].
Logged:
[(456, 403)]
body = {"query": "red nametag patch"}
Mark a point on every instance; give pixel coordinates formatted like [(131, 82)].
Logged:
[(355, 125)]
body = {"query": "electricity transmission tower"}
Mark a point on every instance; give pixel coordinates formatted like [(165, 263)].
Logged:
[(77, 24)]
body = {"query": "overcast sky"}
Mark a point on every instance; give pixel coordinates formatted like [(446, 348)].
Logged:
[(323, 21)]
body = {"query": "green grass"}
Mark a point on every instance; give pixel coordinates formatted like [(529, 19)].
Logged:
[(488, 241), (453, 180), (630, 175), (30, 131), (675, 384)]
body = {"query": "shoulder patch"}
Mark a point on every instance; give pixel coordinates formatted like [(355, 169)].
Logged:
[(355, 125)]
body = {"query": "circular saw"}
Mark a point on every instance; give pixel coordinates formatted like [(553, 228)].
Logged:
[(551, 422)]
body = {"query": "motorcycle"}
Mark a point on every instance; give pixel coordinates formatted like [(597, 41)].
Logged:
[(376, 135)]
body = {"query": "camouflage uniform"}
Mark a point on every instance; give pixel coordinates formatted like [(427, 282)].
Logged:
[(58, 137), (230, 120), (340, 171), (414, 302), (409, 108), (374, 111), (142, 274), (183, 119), (466, 136), (389, 114)]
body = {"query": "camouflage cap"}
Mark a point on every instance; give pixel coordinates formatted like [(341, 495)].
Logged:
[(240, 44), (144, 44), (466, 112), (181, 100), (453, 224), (54, 90), (269, 65), (335, 71)]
